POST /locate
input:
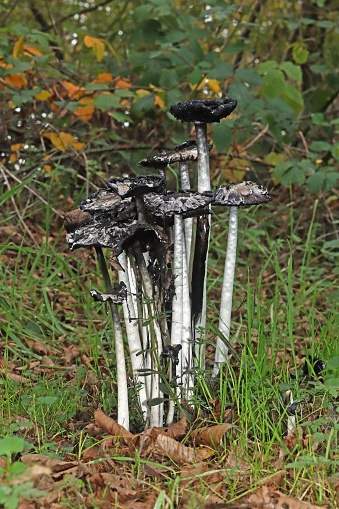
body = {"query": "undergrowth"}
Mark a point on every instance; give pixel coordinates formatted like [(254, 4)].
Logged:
[(58, 362)]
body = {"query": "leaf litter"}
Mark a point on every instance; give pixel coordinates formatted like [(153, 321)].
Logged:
[(104, 473)]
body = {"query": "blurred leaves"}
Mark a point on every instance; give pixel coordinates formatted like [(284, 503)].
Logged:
[(113, 84)]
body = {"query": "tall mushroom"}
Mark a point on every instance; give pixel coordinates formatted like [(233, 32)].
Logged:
[(167, 209), (85, 222), (232, 195), (202, 112)]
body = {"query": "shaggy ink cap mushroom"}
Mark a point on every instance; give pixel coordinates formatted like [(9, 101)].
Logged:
[(185, 203), (106, 201), (186, 152), (75, 219), (205, 111), (243, 194), (126, 187), (117, 295), (100, 233)]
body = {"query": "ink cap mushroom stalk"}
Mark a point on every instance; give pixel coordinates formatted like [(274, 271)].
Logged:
[(72, 224), (232, 195), (108, 203), (202, 112), (138, 187), (173, 207)]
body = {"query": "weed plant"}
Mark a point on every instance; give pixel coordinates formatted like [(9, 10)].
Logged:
[(57, 365)]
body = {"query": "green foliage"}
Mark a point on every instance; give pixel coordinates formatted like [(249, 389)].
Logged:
[(15, 486), (93, 84)]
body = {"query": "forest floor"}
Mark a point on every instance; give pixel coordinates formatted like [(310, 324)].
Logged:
[(59, 443)]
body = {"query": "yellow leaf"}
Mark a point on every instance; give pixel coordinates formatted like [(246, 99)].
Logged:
[(318, 161), (140, 93), (73, 91), (32, 50), (43, 95), (97, 46), (17, 146), (18, 47), (85, 112), (273, 158), (103, 77), (62, 141), (121, 83), (159, 101), (11, 105), (16, 80), (214, 86), (48, 168)]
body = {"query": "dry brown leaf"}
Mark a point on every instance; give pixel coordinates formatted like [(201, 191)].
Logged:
[(16, 378), (32, 473), (26, 505), (267, 498), (212, 435), (121, 489), (110, 425), (233, 460), (57, 467), (175, 450), (177, 430)]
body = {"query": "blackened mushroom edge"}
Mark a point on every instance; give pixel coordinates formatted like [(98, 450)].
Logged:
[(205, 111), (186, 152)]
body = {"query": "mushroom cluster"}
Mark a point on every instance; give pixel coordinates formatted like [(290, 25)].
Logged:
[(158, 239)]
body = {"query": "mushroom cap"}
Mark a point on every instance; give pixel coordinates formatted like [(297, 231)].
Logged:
[(117, 295), (186, 152), (100, 233), (107, 201), (246, 193), (76, 218), (126, 187), (205, 111), (185, 203)]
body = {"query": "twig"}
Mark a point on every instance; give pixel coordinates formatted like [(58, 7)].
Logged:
[(84, 11), (31, 190), (16, 208)]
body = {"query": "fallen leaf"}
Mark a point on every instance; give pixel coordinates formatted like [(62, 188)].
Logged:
[(211, 435), (175, 450), (110, 425), (267, 498)]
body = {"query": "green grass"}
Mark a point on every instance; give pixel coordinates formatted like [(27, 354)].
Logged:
[(284, 309)]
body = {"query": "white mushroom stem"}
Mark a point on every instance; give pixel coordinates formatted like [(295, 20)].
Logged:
[(123, 413), (291, 420), (186, 185), (177, 304), (204, 180), (186, 357), (221, 352), (133, 336), (204, 184), (157, 411), (178, 274)]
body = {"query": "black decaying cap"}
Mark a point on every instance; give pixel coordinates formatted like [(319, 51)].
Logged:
[(117, 295), (186, 152), (136, 186), (203, 110), (245, 194), (185, 203)]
